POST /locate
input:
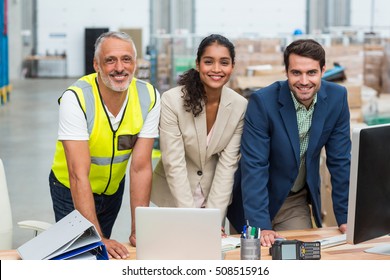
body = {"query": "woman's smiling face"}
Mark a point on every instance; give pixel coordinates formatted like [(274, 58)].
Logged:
[(215, 66)]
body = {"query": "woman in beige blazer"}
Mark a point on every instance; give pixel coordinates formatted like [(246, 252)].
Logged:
[(201, 124)]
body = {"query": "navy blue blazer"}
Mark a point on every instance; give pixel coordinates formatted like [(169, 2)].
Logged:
[(270, 161)]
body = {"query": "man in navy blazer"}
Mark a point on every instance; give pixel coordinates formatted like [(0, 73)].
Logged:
[(286, 126)]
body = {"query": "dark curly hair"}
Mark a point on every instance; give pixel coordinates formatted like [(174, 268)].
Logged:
[(194, 94)]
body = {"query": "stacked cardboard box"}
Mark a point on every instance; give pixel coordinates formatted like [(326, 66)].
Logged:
[(386, 69), (251, 52), (354, 89), (373, 62), (350, 57), (143, 70), (258, 77), (163, 72)]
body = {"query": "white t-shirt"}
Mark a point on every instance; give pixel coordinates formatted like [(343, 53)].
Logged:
[(73, 126)]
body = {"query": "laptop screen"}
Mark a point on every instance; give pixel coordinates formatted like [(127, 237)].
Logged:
[(165, 233)]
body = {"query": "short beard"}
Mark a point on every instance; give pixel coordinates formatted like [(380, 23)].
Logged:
[(107, 82)]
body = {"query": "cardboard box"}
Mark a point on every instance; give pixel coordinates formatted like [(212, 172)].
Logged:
[(354, 93)]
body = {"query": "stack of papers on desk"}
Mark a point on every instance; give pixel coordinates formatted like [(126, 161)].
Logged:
[(230, 243)]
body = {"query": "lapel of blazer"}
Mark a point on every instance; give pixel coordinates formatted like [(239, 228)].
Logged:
[(318, 120), (289, 117), (221, 121), (201, 134)]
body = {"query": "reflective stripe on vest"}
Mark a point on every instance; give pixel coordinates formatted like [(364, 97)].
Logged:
[(143, 95)]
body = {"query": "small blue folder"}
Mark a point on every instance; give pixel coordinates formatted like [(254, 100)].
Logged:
[(94, 251)]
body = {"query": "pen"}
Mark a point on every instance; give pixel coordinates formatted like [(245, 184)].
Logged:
[(253, 232), (248, 229), (256, 233)]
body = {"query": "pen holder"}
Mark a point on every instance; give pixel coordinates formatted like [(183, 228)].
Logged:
[(250, 249)]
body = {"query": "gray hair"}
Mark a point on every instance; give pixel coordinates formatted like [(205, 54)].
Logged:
[(112, 34)]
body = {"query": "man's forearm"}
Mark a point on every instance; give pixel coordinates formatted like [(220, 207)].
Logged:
[(84, 202), (140, 188)]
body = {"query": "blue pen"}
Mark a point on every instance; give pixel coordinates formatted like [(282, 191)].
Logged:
[(244, 231)]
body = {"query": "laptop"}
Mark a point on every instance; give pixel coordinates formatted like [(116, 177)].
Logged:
[(165, 233)]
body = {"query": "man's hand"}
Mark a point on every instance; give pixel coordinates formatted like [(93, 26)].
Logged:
[(115, 249), (343, 228), (133, 240), (268, 237)]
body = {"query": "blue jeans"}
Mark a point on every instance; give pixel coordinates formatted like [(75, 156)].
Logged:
[(107, 206)]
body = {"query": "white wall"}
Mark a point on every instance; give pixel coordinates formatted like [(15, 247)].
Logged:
[(61, 25), (362, 16), (263, 18)]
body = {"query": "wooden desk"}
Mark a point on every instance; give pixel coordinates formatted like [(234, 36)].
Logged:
[(341, 252)]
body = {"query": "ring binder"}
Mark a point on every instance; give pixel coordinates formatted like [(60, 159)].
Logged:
[(73, 237)]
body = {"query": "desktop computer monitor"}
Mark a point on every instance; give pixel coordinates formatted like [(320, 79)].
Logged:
[(369, 193)]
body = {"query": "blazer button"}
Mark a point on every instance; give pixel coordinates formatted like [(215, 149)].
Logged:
[(200, 173)]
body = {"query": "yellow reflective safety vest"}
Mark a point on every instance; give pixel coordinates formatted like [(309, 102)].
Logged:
[(110, 150)]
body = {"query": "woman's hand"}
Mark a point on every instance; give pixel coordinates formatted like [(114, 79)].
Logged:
[(223, 234)]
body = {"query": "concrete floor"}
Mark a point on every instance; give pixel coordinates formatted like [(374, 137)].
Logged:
[(28, 131)]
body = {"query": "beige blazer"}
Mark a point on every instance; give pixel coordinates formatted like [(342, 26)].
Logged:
[(186, 161)]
